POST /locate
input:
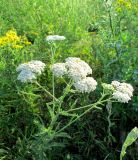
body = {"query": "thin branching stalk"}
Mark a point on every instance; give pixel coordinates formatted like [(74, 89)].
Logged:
[(109, 110), (84, 107), (46, 91), (53, 50), (92, 106)]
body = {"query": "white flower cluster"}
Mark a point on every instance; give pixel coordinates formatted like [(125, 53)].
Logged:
[(87, 84), (28, 71), (52, 38), (77, 70), (59, 69), (123, 91), (115, 84), (121, 97)]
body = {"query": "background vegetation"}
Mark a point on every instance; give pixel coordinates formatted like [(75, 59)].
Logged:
[(104, 34)]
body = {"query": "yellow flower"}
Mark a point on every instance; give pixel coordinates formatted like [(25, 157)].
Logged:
[(124, 3), (2, 41), (16, 46), (12, 36), (27, 43), (11, 32)]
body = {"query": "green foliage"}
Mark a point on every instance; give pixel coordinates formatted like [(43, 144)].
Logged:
[(131, 138)]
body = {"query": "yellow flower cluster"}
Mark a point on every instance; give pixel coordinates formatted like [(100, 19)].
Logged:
[(123, 4), (11, 38)]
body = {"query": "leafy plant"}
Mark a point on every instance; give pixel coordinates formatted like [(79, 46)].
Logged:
[(131, 138)]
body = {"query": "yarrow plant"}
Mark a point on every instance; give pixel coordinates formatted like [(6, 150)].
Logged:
[(77, 77), (76, 73)]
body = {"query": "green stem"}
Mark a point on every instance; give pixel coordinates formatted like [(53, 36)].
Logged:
[(47, 92), (76, 119), (75, 109), (54, 119), (100, 101), (53, 77), (66, 91), (109, 110), (92, 106), (111, 23)]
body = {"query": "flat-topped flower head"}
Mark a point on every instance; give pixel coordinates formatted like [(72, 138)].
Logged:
[(59, 69), (124, 90), (52, 38), (29, 71), (128, 86), (121, 97), (86, 85), (26, 76), (72, 61), (34, 66), (120, 91), (76, 73), (77, 68)]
